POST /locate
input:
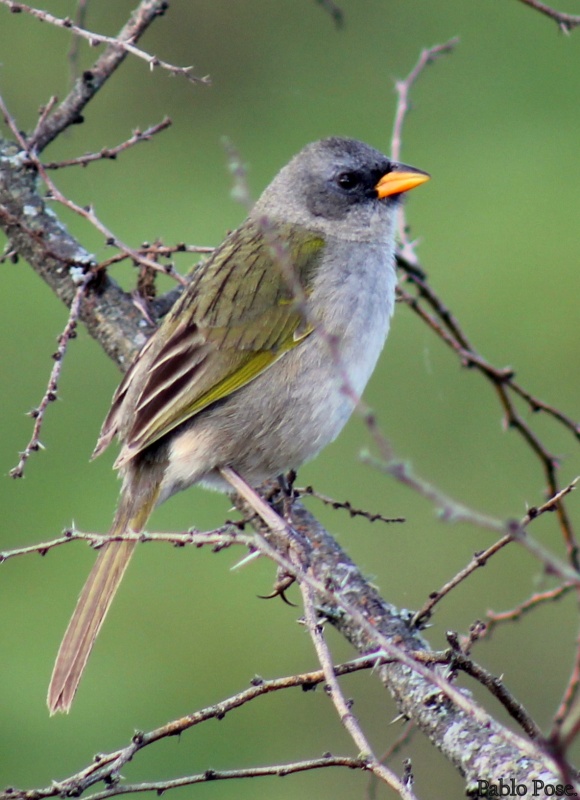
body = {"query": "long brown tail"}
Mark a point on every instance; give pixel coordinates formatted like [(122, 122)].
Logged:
[(98, 593), (89, 614)]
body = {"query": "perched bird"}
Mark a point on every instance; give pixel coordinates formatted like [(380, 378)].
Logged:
[(258, 365)]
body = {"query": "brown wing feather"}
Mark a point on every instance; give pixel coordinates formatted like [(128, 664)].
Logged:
[(231, 311)]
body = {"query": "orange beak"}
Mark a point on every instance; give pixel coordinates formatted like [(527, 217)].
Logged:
[(400, 180)]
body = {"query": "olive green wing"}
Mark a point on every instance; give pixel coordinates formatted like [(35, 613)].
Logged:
[(234, 320)]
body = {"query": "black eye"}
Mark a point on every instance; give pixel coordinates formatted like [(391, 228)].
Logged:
[(348, 180)]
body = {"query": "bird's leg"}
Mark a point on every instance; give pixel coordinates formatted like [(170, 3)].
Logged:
[(264, 510), (286, 483), (283, 582)]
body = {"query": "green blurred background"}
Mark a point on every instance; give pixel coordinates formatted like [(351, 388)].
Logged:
[(497, 124)]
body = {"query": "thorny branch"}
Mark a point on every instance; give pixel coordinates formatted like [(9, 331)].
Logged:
[(212, 775), (225, 537), (51, 392), (106, 767), (218, 539), (447, 328), (457, 660), (403, 89), (309, 491), (69, 112), (122, 42), (86, 212), (403, 739), (439, 318), (566, 22), (513, 615), (343, 708), (480, 559), (335, 584), (564, 727), (112, 152)]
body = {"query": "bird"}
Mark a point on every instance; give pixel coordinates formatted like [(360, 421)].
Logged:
[(259, 363)]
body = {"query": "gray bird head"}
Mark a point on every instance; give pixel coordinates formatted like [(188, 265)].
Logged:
[(339, 187)]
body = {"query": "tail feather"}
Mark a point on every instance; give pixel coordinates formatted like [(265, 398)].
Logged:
[(90, 612), (97, 595)]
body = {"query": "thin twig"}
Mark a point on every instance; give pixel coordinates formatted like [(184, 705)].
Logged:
[(403, 89), (70, 110), (449, 510), (446, 326), (112, 152), (478, 560), (448, 330), (459, 660), (445, 323), (95, 39), (566, 22), (385, 648), (569, 736), (45, 111), (106, 766), (569, 698), (212, 775), (551, 564), (155, 251), (481, 559), (219, 539), (394, 749), (493, 618), (85, 212), (346, 506), (343, 708), (51, 393)]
